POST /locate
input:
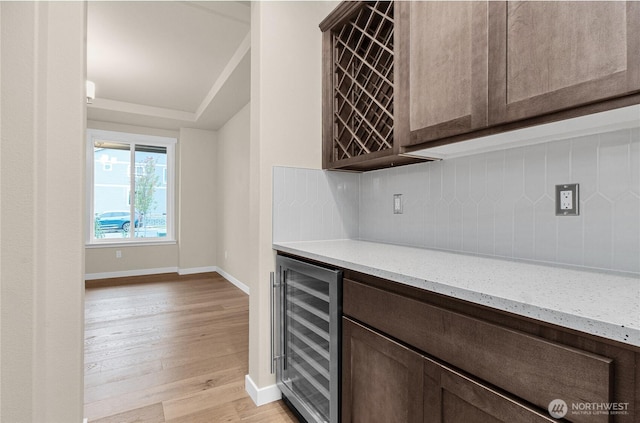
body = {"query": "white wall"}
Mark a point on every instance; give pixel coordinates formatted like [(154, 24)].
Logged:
[(197, 201), (232, 179), (286, 111), (41, 185), (1, 116), (1, 362), (101, 262), (131, 129)]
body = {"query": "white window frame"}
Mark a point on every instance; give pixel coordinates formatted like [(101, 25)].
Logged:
[(132, 140)]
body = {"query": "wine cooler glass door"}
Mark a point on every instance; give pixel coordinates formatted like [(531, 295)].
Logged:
[(309, 326)]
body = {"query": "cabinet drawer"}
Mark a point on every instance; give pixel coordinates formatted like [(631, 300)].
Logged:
[(527, 366)]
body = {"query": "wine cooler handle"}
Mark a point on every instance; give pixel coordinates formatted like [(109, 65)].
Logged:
[(277, 303), (284, 335), (272, 308)]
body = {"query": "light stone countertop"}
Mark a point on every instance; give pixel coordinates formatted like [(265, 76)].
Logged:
[(602, 304)]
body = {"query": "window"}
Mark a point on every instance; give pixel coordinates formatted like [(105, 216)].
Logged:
[(126, 206)]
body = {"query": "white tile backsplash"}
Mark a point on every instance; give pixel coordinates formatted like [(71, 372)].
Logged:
[(310, 204), (598, 231), (498, 204)]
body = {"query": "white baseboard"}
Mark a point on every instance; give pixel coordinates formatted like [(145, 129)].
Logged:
[(187, 271), (234, 281), (127, 273), (193, 270), (261, 396)]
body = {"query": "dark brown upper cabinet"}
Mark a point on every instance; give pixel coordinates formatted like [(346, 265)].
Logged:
[(358, 78), (403, 76), (470, 69), (442, 51), (552, 56)]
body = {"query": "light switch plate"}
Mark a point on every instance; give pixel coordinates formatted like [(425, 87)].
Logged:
[(397, 203), (567, 200)]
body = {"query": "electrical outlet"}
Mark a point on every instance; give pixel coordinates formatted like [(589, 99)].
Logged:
[(397, 203), (567, 200), (118, 254)]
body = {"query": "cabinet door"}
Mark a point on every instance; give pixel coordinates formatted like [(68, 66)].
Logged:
[(450, 397), (442, 65), (382, 380), (550, 56)]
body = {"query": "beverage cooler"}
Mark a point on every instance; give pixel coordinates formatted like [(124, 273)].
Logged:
[(306, 302)]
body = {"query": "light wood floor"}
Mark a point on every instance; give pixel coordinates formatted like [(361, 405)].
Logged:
[(172, 349)]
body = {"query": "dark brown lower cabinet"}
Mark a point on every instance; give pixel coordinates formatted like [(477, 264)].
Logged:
[(450, 396), (381, 379), (384, 381), (409, 355)]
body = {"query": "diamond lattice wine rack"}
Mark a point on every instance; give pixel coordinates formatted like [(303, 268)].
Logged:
[(361, 130), (363, 82)]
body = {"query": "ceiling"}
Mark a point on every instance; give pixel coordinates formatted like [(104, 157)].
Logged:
[(168, 64)]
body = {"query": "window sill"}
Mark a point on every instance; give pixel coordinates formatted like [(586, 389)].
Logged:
[(108, 244)]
